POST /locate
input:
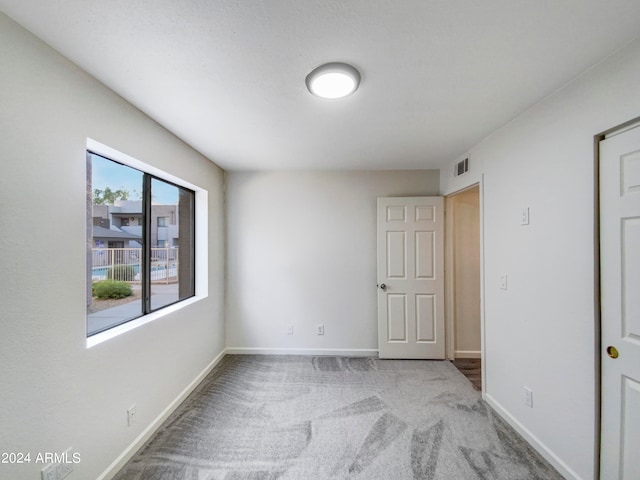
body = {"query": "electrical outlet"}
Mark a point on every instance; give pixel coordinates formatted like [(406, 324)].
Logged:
[(528, 397), (49, 472), (131, 415), (320, 329), (65, 467), (290, 330), (63, 470)]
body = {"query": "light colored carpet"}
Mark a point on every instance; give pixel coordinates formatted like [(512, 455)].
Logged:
[(296, 417)]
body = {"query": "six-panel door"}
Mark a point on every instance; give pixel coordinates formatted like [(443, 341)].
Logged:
[(620, 305), (411, 268)]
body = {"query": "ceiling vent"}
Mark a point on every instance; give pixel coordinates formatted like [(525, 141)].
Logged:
[(462, 167)]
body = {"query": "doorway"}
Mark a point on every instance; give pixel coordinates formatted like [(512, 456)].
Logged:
[(463, 286)]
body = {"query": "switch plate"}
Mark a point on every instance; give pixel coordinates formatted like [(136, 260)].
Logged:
[(524, 219), (503, 281), (528, 397), (290, 330), (320, 329)]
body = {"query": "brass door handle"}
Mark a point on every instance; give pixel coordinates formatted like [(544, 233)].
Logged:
[(612, 351)]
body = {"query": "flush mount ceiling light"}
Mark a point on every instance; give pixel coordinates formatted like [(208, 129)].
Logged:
[(333, 80)]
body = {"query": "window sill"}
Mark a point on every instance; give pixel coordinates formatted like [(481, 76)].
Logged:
[(99, 338)]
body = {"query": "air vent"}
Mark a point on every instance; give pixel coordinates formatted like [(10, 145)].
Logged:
[(462, 167)]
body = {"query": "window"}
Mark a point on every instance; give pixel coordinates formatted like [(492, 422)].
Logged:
[(141, 243)]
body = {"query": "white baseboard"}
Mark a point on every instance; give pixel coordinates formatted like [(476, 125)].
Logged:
[(146, 434), (540, 447), (467, 354), (358, 352)]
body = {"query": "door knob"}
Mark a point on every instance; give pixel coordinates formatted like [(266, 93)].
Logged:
[(612, 351), (382, 286)]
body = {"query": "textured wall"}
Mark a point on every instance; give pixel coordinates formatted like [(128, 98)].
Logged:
[(541, 331), (54, 392), (302, 252)]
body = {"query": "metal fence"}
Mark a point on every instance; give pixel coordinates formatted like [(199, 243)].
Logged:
[(124, 264)]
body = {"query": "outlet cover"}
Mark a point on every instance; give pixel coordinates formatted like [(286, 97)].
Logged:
[(131, 415), (528, 397), (49, 472), (63, 470)]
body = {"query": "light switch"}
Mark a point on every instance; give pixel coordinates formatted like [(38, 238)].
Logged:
[(503, 281), (525, 216)]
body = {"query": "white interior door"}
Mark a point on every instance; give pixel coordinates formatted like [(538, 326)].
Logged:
[(411, 277), (620, 305)]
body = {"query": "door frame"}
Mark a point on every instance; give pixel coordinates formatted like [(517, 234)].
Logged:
[(597, 351), (448, 285)]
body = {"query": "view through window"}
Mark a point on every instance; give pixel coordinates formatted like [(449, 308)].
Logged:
[(140, 246)]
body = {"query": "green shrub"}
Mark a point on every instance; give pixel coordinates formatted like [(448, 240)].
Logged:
[(111, 289), (121, 272)]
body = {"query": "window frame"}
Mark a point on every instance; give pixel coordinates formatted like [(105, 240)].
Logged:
[(199, 226)]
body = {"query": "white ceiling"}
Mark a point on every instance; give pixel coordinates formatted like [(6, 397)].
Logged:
[(228, 76)]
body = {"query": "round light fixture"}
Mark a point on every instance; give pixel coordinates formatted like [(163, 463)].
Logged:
[(333, 80)]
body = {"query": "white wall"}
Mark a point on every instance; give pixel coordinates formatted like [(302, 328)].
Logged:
[(302, 252), (54, 392), (541, 331)]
